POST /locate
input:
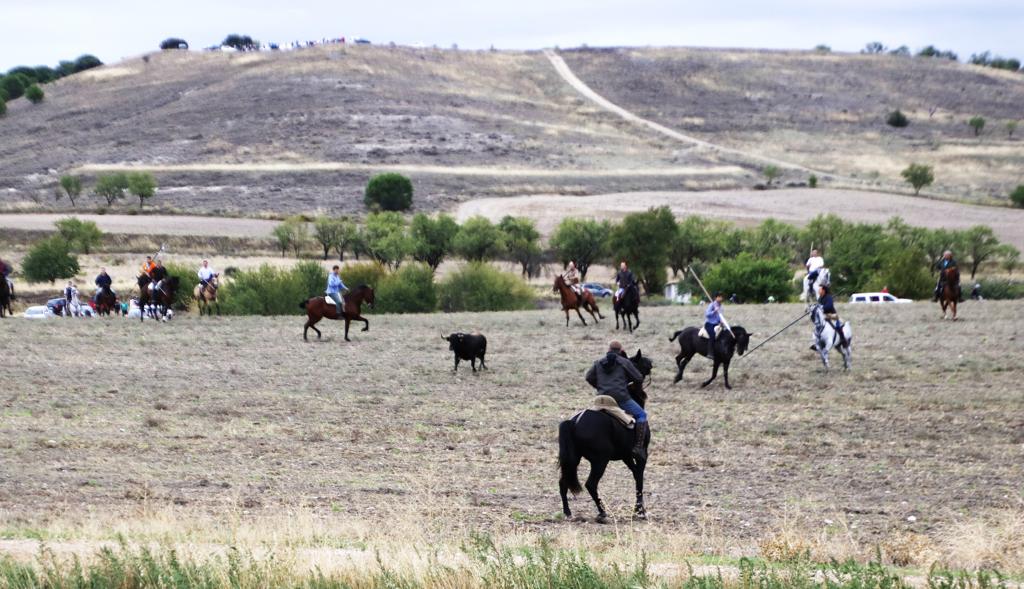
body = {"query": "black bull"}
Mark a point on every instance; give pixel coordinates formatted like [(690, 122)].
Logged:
[(726, 344), (467, 346)]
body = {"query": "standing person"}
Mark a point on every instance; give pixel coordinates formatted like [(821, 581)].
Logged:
[(103, 282), (336, 288), (624, 278), (572, 278), (5, 273), (712, 318), (611, 376)]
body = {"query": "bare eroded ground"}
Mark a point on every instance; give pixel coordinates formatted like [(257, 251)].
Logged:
[(104, 422)]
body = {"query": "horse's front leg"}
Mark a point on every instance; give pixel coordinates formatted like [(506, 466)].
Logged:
[(637, 316), (714, 374), (581, 316), (725, 372), (566, 317), (597, 469), (681, 363)]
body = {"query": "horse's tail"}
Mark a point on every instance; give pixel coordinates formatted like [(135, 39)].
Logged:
[(568, 457), (675, 335), (302, 305)]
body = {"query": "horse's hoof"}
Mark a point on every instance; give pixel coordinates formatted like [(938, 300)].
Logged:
[(677, 379), (601, 518), (640, 516)]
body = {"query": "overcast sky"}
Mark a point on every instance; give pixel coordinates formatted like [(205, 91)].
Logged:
[(43, 32)]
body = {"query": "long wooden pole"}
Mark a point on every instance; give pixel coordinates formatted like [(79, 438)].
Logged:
[(707, 294)]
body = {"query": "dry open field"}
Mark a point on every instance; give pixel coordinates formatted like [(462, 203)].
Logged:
[(234, 429)]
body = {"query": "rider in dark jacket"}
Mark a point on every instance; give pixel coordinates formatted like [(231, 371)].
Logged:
[(624, 279), (103, 282), (946, 262), (611, 376), (828, 308)]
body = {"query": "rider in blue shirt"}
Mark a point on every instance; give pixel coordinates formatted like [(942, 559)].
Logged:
[(712, 317), (335, 288)]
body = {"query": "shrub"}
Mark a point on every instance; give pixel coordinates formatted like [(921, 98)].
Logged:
[(1011, 126), (432, 238), (901, 51), (897, 119), (643, 241), (14, 85), (240, 42), (1017, 196), (173, 43), (822, 48), (78, 235), (388, 192), (1000, 289), (3, 106), (752, 279), (49, 260), (187, 281), (481, 287), (478, 240), (857, 254), (409, 290), (385, 239), (873, 48), (72, 187), (272, 291), (977, 123), (771, 173), (905, 275), (142, 185), (583, 241), (34, 94), (918, 176), (86, 62), (111, 187), (369, 273), (812, 181)]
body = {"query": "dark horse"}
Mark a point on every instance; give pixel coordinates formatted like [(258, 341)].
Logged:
[(161, 300), (628, 305), (572, 301), (726, 344), (5, 297), (318, 308), (950, 294), (600, 438), (105, 301)]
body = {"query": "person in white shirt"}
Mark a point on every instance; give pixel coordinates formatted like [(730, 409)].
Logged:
[(814, 264), (205, 273)]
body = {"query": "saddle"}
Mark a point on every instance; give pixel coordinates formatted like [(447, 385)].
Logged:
[(608, 405), (703, 333)]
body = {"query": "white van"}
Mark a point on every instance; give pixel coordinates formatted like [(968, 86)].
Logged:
[(876, 297)]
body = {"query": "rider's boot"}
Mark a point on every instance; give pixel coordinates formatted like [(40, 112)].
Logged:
[(639, 435)]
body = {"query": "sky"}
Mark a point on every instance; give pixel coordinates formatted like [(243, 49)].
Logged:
[(43, 32)]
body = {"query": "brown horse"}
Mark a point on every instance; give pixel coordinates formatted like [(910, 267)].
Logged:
[(318, 308), (105, 301), (5, 297), (571, 301), (207, 295), (950, 294)]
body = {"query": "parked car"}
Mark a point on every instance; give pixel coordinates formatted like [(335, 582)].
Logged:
[(38, 312), (876, 297), (56, 306), (598, 290), (361, 41)]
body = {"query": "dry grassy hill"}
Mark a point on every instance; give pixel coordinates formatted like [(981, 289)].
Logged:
[(302, 131)]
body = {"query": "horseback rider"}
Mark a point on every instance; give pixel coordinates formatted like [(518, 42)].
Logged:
[(623, 279), (103, 282), (5, 272), (611, 376), (72, 305), (571, 276), (712, 318), (336, 289), (147, 267), (828, 309), (944, 264), (157, 276), (206, 275), (814, 265)]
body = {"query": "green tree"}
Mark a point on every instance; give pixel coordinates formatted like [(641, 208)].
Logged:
[(79, 236), (111, 187), (49, 260), (697, 239), (1017, 196), (857, 255), (410, 290), (774, 239), (812, 181), (752, 279), (980, 244), (327, 232), (348, 239), (432, 238), (388, 192), (977, 123), (479, 240), (14, 85), (72, 187), (240, 42), (904, 274), (897, 119), (643, 241), (771, 173), (386, 239), (86, 62), (34, 94), (584, 241), (1010, 258), (937, 241), (291, 233), (820, 232), (919, 176), (142, 185), (521, 237)]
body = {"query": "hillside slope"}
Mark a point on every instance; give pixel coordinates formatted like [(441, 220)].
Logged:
[(302, 131)]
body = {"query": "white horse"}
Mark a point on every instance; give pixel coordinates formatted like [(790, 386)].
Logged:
[(810, 291), (826, 337)]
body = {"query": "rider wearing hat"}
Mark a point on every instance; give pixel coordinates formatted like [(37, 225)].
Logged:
[(611, 376)]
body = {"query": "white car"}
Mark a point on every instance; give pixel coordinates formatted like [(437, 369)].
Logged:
[(876, 297), (38, 312)]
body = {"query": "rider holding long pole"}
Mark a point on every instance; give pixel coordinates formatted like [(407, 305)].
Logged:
[(712, 317)]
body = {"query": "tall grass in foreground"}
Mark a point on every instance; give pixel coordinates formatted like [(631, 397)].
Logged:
[(487, 565)]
